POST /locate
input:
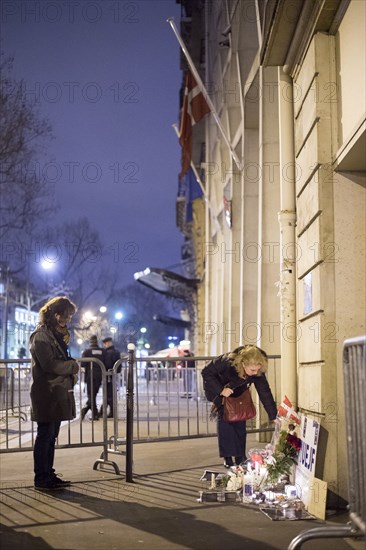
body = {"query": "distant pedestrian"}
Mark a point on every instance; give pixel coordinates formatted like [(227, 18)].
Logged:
[(93, 377), (54, 374), (21, 352), (188, 372), (111, 355)]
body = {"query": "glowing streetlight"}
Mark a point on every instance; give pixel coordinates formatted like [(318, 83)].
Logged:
[(118, 315), (88, 316), (47, 264), (102, 309), (143, 330)]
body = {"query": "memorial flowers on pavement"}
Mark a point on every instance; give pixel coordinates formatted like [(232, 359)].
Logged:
[(283, 451), (284, 456)]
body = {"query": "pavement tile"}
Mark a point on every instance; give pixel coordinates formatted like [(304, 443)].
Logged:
[(159, 510)]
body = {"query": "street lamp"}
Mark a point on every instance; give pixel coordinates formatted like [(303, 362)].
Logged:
[(46, 264), (89, 316)]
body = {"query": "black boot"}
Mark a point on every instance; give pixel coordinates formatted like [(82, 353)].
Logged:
[(228, 461)]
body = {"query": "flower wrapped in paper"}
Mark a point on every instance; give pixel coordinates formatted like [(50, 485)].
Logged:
[(284, 448), (283, 457)]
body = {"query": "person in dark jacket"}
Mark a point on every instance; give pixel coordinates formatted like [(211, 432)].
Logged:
[(188, 373), (232, 374), (93, 377), (54, 374), (111, 355)]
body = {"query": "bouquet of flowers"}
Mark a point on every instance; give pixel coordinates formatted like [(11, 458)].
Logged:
[(283, 451), (284, 455)]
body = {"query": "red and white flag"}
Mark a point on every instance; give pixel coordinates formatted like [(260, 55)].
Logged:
[(194, 108), (286, 410)]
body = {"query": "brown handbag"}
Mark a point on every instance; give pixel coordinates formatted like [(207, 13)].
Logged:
[(237, 409)]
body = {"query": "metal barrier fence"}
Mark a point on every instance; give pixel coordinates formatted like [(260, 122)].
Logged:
[(354, 377), (14, 388), (165, 401), (18, 431)]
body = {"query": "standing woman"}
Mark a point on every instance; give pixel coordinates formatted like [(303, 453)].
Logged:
[(54, 375), (232, 374)]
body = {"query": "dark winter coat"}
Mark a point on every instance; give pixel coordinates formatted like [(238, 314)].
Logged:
[(52, 394), (111, 355), (98, 353), (220, 373)]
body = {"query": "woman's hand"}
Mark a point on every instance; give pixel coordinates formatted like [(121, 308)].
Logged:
[(226, 392)]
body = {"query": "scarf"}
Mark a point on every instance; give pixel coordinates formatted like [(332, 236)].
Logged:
[(63, 331)]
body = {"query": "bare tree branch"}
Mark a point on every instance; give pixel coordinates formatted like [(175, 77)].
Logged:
[(25, 196)]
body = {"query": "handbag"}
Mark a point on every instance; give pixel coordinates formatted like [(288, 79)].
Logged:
[(237, 409)]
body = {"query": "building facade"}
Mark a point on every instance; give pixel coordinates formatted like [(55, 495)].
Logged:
[(279, 237), (18, 318)]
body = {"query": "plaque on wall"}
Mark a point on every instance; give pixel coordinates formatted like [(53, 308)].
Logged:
[(308, 293)]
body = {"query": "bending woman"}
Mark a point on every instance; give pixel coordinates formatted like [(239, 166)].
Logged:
[(232, 374)]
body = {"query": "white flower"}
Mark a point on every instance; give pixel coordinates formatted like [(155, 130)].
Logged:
[(271, 460)]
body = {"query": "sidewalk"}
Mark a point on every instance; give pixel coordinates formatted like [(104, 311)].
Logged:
[(159, 511)]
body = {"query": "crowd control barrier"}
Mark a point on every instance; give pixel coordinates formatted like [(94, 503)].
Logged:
[(18, 431), (164, 400), (354, 374), (155, 399), (15, 377)]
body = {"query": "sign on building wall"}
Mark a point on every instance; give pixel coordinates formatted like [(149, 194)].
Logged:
[(312, 490), (308, 291)]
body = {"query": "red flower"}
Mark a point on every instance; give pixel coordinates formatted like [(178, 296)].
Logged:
[(294, 442)]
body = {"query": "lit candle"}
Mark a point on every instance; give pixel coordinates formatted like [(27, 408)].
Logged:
[(213, 484), (269, 495)]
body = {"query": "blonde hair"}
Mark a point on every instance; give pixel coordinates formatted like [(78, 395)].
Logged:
[(248, 355)]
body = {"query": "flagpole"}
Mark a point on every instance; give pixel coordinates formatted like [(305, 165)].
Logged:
[(170, 20), (210, 207)]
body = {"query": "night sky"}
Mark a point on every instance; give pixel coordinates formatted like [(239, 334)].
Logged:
[(106, 74)]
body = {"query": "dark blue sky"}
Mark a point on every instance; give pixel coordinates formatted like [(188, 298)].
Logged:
[(106, 74)]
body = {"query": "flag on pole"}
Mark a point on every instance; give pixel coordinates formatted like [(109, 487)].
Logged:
[(193, 192), (194, 108), (286, 410)]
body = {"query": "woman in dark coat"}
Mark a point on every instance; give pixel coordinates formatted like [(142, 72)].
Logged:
[(232, 374), (54, 374)]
